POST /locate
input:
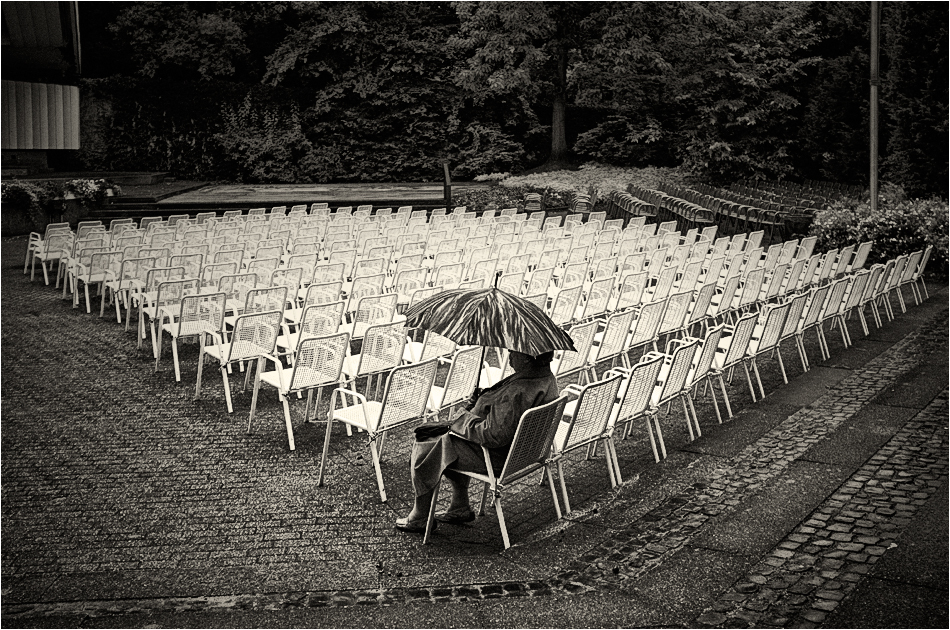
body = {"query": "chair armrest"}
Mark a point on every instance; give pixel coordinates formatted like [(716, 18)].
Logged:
[(574, 389)]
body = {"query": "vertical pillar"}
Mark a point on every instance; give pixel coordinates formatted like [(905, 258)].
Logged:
[(875, 86)]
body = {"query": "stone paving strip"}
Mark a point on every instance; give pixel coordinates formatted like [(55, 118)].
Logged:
[(821, 562), (652, 537)]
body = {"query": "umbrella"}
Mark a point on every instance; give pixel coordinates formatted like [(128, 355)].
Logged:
[(489, 317)]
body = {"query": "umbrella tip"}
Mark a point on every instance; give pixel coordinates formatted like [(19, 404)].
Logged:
[(498, 275)]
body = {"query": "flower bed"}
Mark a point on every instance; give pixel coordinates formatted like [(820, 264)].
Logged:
[(559, 187)]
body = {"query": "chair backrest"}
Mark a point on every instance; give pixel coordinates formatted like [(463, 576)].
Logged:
[(856, 289), (913, 260), (406, 394), (680, 362), (374, 309), (844, 258), (773, 322), (835, 298), (647, 324), (630, 292), (448, 275), (254, 334), (794, 317), (701, 303), (435, 345), (202, 312), (592, 413), (565, 304), (707, 352), (583, 337), (815, 305), (319, 360), (616, 331), (637, 388), (173, 291), (531, 445), (511, 283), (677, 307), (383, 346), (321, 319), (463, 375), (740, 336), (261, 299), (540, 280), (364, 286), (598, 297), (575, 274)]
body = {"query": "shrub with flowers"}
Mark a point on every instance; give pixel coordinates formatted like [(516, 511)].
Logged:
[(27, 205), (899, 226), (90, 192)]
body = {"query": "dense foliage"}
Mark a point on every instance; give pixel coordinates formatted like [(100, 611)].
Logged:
[(899, 226), (377, 91)]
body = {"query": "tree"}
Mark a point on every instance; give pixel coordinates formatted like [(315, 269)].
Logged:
[(523, 51)]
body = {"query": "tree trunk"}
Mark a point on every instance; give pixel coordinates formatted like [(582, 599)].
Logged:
[(559, 113)]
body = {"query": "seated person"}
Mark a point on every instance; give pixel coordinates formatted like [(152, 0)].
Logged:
[(491, 420)]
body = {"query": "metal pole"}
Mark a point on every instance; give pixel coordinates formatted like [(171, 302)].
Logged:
[(875, 86)]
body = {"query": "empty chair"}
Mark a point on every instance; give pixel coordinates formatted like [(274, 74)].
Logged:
[(672, 381), (197, 314), (852, 298), (585, 424), (634, 396), (166, 305), (765, 338), (318, 320), (793, 319), (569, 362), (732, 351), (99, 268), (254, 335), (403, 401), (317, 363), (610, 344)]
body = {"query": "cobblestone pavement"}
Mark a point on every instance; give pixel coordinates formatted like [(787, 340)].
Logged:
[(819, 564), (121, 493)]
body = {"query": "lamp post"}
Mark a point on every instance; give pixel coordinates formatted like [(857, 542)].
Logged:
[(875, 86)]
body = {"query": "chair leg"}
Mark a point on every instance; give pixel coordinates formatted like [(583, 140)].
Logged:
[(725, 395), (612, 460), (430, 520), (655, 418), (692, 408), (484, 499), (379, 471), (557, 503), (758, 379), (800, 344), (748, 378), (712, 390), (560, 474), (689, 420), (287, 421), (326, 446), (201, 361), (175, 359), (501, 520), (227, 388), (250, 416), (781, 363)]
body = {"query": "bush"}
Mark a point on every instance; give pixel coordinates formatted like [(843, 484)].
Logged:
[(898, 227), (27, 206)]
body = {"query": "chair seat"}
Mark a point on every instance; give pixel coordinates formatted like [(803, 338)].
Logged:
[(273, 379), (354, 414), (185, 329)]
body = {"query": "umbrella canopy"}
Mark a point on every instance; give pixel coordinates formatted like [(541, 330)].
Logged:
[(489, 317)]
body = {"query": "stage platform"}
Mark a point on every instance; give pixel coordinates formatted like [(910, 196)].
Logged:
[(215, 197)]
